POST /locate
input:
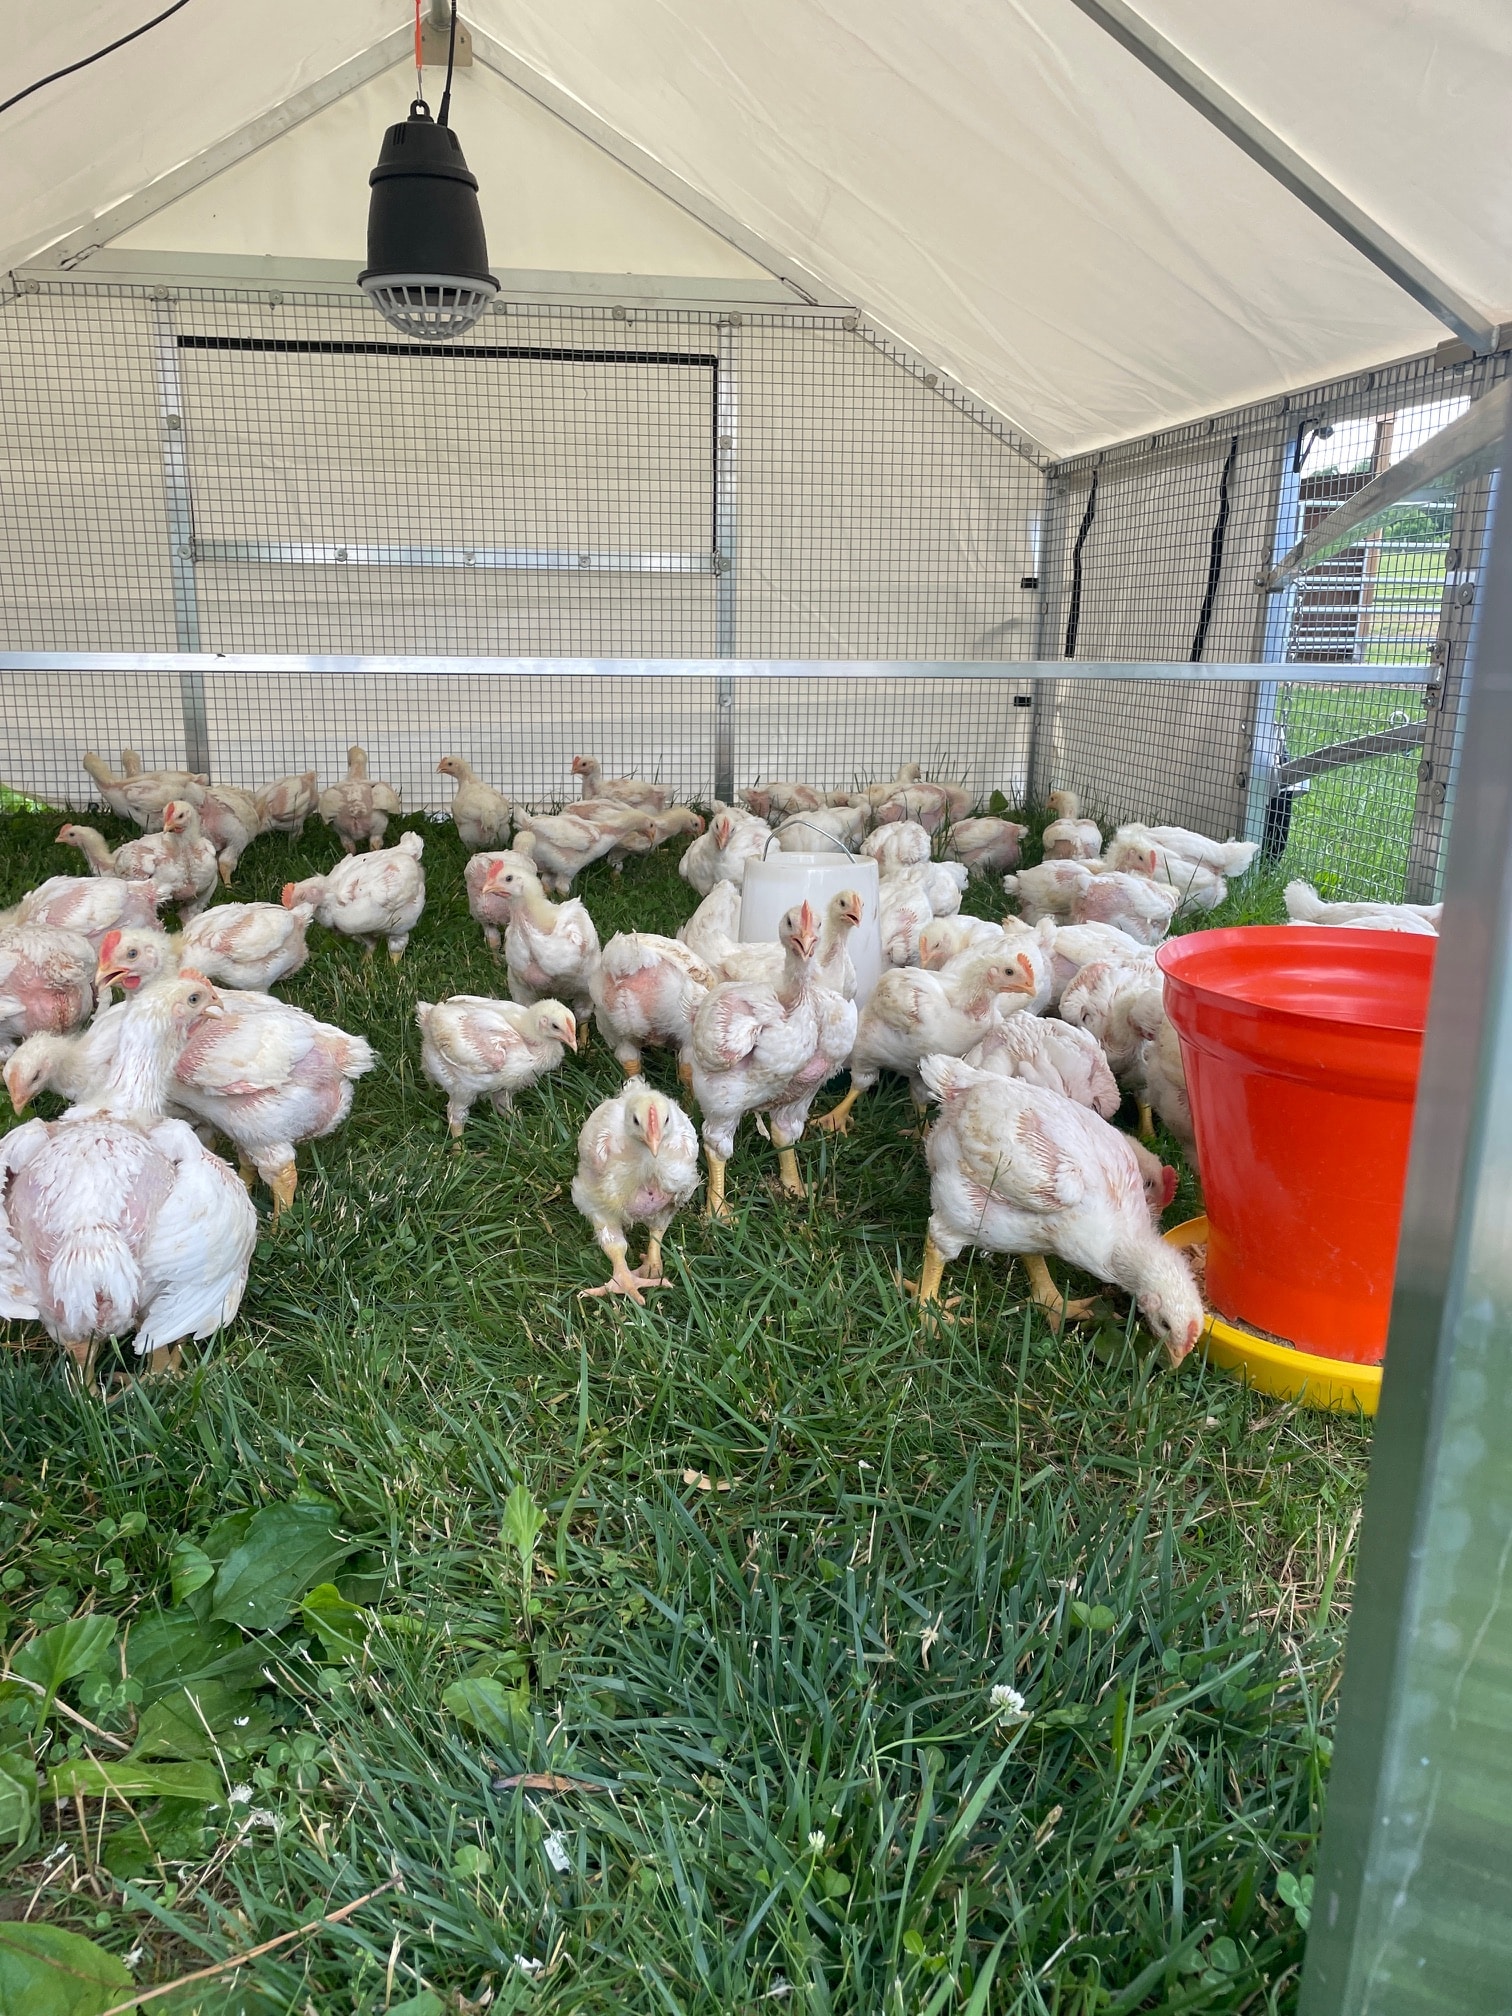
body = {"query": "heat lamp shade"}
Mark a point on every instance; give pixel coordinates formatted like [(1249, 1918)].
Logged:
[(780, 882), (427, 269)]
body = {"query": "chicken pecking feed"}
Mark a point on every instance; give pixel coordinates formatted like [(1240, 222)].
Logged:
[(1014, 1168)]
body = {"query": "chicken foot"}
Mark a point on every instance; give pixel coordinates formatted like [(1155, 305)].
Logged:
[(627, 1280), (1146, 1121), (283, 1183), (787, 1167), (715, 1206), (931, 1274), (837, 1120), (1048, 1297)]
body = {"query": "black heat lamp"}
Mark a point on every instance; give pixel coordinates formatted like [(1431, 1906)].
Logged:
[(427, 270)]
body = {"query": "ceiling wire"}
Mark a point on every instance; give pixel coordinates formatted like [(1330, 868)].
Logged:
[(85, 61)]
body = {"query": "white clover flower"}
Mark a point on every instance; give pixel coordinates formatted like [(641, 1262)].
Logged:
[(818, 1841), (240, 1795), (1009, 1703)]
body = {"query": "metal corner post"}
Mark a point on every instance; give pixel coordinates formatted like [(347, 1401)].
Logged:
[(726, 547), (179, 505), (1412, 1906)]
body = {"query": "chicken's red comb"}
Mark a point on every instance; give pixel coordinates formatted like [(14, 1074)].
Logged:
[(1168, 1182), (108, 945), (287, 898)]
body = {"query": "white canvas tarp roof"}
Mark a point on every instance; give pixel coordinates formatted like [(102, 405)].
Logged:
[(1001, 185)]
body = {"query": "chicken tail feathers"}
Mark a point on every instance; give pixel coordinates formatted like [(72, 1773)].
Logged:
[(948, 1077), (96, 1283), (1303, 902)]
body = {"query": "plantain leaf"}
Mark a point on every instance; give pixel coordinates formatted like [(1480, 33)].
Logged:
[(285, 1550), (55, 1657), (45, 1971), (205, 1719), (341, 1627), (86, 1778), (191, 1567), (174, 1649), (493, 1710), (20, 1804)]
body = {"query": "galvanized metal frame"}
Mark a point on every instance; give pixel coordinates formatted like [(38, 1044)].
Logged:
[(1412, 1907), (179, 504), (1237, 123), (726, 549)]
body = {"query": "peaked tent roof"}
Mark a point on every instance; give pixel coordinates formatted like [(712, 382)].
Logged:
[(996, 181)]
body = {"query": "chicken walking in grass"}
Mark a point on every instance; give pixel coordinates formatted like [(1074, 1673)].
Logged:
[(263, 1072), (142, 795), (759, 1048), (481, 814), (368, 896), (474, 1048), (913, 1013), (230, 821), (487, 906), (646, 990), (284, 805), (115, 1220), (251, 946), (360, 807), (1015, 1168), (563, 844), (179, 861), (637, 1165), (551, 950)]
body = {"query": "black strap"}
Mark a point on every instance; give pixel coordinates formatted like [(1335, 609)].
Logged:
[(1215, 554), (1073, 614)]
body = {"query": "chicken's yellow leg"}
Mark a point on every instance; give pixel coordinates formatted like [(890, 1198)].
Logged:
[(632, 1069), (837, 1120), (1146, 1121), (649, 1272), (930, 1274), (1048, 1296), (225, 871), (685, 1074), (283, 1186), (787, 1168), (621, 1281), (715, 1206)]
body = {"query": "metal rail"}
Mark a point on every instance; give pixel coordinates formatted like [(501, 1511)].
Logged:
[(504, 559), (1162, 671), (1358, 749)]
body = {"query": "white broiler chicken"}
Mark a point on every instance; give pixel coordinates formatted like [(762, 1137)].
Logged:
[(1197, 887), (74, 1066), (714, 927), (876, 794), (1141, 908), (1122, 1005), (230, 821), (266, 1074), (1073, 946), (369, 896), (1014, 1168), (759, 1048), (646, 990), (114, 1220), (721, 854), (490, 909), (1052, 889), (1165, 1087), (1305, 906), (637, 1165), (1052, 1054), (733, 959), (903, 844), (284, 805), (665, 826), (550, 949), (562, 844), (46, 981), (251, 946), (1069, 837), (949, 938), (831, 829), (780, 798), (359, 808), (904, 914), (1030, 945), (481, 814), (1223, 857), (986, 845), (636, 791), (88, 904), (141, 795), (474, 1048), (931, 805), (179, 861), (912, 1013)]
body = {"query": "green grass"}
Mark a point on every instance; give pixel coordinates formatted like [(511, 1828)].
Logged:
[(915, 1513)]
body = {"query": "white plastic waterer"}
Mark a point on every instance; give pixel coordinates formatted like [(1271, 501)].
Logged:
[(779, 883)]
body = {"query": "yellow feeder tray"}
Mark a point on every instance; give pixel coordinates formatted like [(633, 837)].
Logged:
[(1332, 1385)]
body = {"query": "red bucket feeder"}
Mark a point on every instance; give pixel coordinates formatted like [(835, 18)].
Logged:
[(1301, 1050)]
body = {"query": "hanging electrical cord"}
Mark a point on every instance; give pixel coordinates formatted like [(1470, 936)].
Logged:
[(1215, 554), (109, 50), (451, 58)]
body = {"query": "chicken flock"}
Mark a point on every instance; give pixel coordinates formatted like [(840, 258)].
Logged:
[(120, 1219)]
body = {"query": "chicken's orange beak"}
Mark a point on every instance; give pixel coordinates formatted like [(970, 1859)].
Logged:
[(653, 1129), (851, 910), (441, 766), (109, 975), (19, 1100), (572, 1030)]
